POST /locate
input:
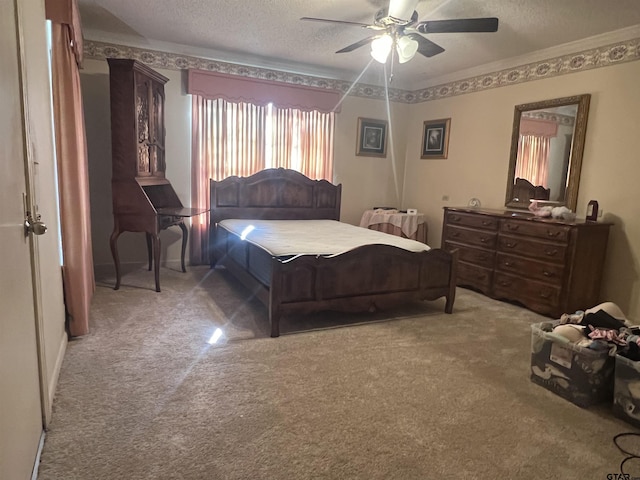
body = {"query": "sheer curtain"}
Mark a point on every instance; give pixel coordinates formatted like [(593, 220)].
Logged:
[(303, 141), (242, 139), (533, 159), (228, 139), (71, 153)]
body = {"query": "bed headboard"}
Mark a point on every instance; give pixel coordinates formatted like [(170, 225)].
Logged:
[(274, 194), (525, 190)]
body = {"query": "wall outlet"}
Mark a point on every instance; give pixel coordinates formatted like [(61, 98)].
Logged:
[(600, 212), (445, 198)]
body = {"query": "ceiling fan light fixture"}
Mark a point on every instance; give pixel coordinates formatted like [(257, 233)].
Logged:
[(381, 47), (407, 48)]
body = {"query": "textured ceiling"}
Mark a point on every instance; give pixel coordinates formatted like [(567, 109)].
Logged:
[(270, 34)]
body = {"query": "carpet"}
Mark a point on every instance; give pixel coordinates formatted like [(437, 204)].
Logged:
[(411, 393)]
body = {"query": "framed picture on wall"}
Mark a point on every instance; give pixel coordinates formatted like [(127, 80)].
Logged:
[(435, 138), (372, 138)]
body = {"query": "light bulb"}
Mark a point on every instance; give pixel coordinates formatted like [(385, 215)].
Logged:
[(381, 47), (407, 48)]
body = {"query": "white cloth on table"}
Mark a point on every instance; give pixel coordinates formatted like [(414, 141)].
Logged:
[(408, 224)]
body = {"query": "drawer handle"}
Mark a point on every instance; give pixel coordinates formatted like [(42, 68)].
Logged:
[(504, 283), (511, 244), (508, 264), (487, 223), (553, 234), (512, 227), (483, 239), (551, 253), (548, 274), (455, 234), (455, 218), (545, 295)]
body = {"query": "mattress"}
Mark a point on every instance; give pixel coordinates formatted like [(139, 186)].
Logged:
[(286, 238), (253, 243)]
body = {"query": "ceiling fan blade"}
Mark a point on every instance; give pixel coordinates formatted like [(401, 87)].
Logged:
[(489, 24), (359, 44), (344, 22), (426, 47)]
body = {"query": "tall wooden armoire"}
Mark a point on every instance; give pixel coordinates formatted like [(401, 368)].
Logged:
[(143, 198)]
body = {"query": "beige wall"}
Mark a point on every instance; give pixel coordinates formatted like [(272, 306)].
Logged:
[(477, 165), (369, 181), (479, 150)]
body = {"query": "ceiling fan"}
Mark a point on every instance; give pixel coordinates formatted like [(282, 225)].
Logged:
[(398, 26)]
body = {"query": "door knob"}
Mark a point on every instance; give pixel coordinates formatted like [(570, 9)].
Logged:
[(34, 226)]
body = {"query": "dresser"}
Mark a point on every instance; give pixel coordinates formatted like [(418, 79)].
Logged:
[(143, 198), (549, 266)]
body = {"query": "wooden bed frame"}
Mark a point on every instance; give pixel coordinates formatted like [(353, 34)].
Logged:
[(367, 278)]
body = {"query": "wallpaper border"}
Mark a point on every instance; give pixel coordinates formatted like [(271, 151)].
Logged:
[(613, 54)]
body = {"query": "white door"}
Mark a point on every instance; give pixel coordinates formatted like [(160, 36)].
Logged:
[(21, 413)]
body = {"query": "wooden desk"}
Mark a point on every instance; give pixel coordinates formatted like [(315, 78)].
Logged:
[(399, 224), (143, 198), (162, 218)]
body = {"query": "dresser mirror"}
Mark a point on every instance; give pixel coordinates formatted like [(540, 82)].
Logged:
[(547, 143)]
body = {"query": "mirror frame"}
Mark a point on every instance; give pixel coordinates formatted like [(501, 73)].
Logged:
[(577, 148)]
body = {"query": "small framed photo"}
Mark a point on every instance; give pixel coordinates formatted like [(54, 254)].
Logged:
[(372, 138), (435, 138)]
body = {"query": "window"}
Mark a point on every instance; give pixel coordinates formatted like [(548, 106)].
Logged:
[(242, 139)]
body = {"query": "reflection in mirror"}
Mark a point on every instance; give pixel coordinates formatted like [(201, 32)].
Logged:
[(547, 143)]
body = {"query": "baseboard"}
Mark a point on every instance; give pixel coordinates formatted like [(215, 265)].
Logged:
[(102, 271), (55, 375), (36, 463)]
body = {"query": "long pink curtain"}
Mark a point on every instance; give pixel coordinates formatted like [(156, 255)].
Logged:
[(242, 139), (71, 152), (533, 159)]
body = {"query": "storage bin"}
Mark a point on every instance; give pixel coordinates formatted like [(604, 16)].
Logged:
[(578, 374), (626, 391)]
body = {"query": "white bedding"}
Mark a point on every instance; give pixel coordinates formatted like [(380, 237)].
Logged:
[(312, 237)]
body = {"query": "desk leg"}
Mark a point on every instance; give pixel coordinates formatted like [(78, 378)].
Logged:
[(113, 242), (156, 259), (149, 249), (185, 236)]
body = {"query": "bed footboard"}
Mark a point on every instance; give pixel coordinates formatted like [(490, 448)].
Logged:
[(368, 278)]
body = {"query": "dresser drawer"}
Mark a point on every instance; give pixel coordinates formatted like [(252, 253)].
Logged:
[(550, 252), (476, 256), (479, 238), (472, 220), (530, 292), (474, 276), (524, 267), (549, 231)]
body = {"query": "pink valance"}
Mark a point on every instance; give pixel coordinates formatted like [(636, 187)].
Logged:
[(540, 128), (233, 88)]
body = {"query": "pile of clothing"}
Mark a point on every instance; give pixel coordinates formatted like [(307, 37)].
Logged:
[(603, 327)]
